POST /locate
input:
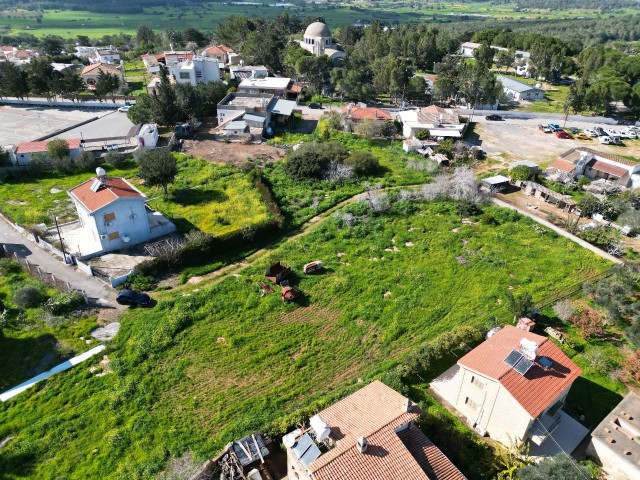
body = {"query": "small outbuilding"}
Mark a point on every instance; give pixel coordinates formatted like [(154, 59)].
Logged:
[(517, 90), (497, 182)]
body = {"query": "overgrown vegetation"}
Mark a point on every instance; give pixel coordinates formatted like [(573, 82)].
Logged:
[(219, 361)]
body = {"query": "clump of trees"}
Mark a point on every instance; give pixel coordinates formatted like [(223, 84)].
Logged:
[(328, 161)]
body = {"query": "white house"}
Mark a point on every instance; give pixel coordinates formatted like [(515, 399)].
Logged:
[(106, 55), (596, 165), (441, 122), (17, 56), (369, 435), (516, 90), (147, 136), (278, 86), (317, 40), (20, 154), (615, 442), (196, 70), (467, 49), (248, 71), (151, 63), (513, 387), (234, 104), (112, 215)]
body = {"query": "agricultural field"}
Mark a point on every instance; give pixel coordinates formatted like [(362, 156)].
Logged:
[(216, 199), (36, 338), (205, 16), (215, 361)]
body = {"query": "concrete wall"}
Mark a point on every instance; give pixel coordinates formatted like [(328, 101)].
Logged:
[(616, 466), (59, 103), (130, 221)]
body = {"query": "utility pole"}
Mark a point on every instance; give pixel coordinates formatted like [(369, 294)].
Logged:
[(64, 254)]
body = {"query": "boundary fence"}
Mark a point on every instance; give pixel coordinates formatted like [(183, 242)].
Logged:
[(568, 291)]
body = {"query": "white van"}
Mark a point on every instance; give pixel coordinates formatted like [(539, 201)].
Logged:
[(605, 140)]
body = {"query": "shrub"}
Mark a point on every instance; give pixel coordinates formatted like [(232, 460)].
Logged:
[(86, 161), (564, 310), (589, 321), (57, 148), (521, 172), (423, 134), (363, 163), (8, 267), (4, 158), (599, 236), (62, 164), (140, 281), (27, 297), (312, 160), (582, 181), (64, 303), (114, 159), (632, 365), (38, 164), (560, 467)]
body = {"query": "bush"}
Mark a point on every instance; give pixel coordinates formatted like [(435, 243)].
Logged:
[(8, 267), (312, 160), (521, 172), (114, 159), (140, 281), (64, 303), (27, 297), (582, 181), (423, 134), (57, 148), (363, 163), (86, 161), (62, 164)]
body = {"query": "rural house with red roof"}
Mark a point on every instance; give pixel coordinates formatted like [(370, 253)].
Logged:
[(20, 154), (369, 435), (90, 73), (112, 215), (595, 165), (513, 387)]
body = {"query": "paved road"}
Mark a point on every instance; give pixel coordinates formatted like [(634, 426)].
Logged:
[(96, 290), (559, 231)]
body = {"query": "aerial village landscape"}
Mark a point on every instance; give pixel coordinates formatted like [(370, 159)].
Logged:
[(328, 240)]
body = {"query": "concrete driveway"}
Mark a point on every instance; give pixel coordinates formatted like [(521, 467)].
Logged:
[(98, 292)]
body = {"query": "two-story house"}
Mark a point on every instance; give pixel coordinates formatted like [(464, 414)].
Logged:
[(369, 435), (513, 387), (113, 215)]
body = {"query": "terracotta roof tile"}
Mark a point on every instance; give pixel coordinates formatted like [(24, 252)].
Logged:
[(217, 50), (115, 188), (374, 412), (97, 68), (535, 390), (367, 113), (41, 147), (563, 165), (428, 456)]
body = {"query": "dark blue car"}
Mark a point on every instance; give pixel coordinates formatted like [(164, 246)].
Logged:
[(133, 297)]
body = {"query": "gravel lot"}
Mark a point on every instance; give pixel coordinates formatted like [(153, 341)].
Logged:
[(512, 140)]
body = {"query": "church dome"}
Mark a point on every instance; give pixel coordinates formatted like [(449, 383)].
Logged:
[(317, 29)]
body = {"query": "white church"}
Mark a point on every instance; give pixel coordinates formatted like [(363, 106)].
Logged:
[(317, 40)]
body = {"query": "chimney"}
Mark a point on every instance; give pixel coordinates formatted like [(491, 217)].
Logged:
[(406, 404), (363, 443)]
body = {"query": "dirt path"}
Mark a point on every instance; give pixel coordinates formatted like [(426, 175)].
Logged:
[(233, 153)]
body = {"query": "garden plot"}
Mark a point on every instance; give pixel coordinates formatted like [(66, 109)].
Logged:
[(214, 362)]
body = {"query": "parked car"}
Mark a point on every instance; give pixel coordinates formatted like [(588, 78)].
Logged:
[(573, 130), (314, 105), (554, 126), (547, 130), (605, 140), (494, 117), (133, 297), (590, 132), (583, 136), (600, 131), (562, 134), (628, 134), (124, 108)]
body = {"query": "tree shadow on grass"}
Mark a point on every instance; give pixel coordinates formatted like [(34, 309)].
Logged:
[(23, 358), (191, 196), (591, 400)]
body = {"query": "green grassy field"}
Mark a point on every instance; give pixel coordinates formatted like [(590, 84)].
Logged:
[(207, 15), (213, 362), (216, 199), (33, 340)]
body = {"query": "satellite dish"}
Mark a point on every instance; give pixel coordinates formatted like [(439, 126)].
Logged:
[(101, 172)]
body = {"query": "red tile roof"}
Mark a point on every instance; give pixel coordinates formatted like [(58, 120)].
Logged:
[(607, 168), (538, 388), (428, 456), (217, 50), (367, 113), (97, 68), (574, 154), (115, 188), (375, 412), (41, 147), (562, 165)]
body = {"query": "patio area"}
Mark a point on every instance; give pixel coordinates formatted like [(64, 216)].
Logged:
[(565, 437)]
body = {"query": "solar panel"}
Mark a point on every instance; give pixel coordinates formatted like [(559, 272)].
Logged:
[(302, 445), (513, 358), (523, 366), (545, 362), (310, 455)]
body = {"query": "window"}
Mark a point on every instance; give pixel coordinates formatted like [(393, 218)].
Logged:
[(184, 76), (108, 217), (114, 235), (471, 403), (477, 383)]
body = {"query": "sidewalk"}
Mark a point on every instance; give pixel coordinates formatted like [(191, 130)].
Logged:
[(96, 290)]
